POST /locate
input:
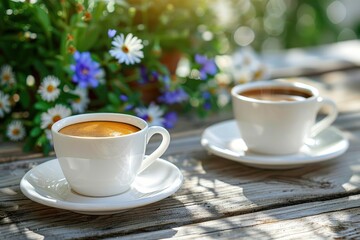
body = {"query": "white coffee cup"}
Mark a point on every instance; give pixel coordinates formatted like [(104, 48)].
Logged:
[(279, 127), (105, 166)]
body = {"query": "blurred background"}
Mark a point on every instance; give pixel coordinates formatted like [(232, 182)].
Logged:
[(270, 25)]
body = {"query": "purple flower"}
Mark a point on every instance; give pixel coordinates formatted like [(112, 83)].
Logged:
[(155, 75), (208, 66), (176, 96), (206, 95), (170, 119), (146, 76), (128, 107), (207, 105), (143, 74), (166, 80), (111, 33), (85, 70), (123, 98)]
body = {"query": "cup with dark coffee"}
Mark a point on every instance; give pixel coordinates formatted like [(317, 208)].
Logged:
[(276, 117), (101, 154)]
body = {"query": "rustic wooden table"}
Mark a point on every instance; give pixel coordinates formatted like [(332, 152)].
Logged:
[(219, 198)]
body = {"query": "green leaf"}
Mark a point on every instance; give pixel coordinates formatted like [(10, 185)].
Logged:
[(113, 99), (37, 119), (40, 67), (35, 132), (65, 97), (29, 145), (46, 147), (42, 106), (41, 141), (44, 20), (113, 67), (24, 98)]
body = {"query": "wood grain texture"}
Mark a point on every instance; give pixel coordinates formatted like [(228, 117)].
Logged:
[(317, 220), (214, 188)]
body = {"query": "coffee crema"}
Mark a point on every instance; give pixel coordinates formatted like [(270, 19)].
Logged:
[(99, 129), (276, 94)]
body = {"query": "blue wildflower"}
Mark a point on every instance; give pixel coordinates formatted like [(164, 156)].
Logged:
[(111, 33), (124, 98), (147, 76), (143, 74), (176, 96), (85, 70), (207, 105), (208, 66), (206, 95), (170, 119), (166, 80), (128, 107), (155, 75)]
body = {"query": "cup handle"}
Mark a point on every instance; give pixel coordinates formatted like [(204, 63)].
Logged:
[(328, 120), (160, 150)]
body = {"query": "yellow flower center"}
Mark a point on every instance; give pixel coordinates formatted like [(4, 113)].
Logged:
[(50, 88), (85, 71), (125, 49), (6, 77), (15, 131), (77, 100), (56, 118)]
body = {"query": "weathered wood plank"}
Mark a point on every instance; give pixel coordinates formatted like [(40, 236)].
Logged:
[(214, 188), (324, 219), (317, 220)]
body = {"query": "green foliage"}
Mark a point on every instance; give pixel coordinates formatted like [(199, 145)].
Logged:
[(38, 41)]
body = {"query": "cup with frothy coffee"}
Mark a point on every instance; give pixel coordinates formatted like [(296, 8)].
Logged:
[(276, 117), (101, 154)]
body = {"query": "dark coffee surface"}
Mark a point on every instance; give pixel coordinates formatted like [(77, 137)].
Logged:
[(276, 94), (99, 129)]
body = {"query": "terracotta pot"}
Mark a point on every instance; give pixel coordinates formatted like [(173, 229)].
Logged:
[(150, 91), (171, 59)]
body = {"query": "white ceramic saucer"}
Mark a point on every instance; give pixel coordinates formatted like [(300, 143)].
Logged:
[(47, 185), (224, 140)]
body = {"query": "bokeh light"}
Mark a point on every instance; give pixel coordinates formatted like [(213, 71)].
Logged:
[(244, 36), (336, 12)]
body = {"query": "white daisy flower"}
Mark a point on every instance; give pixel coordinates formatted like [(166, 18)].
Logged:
[(247, 66), (245, 57), (49, 136), (15, 131), (48, 89), (79, 105), (243, 75), (53, 115), (153, 114), (7, 75), (127, 49), (4, 104)]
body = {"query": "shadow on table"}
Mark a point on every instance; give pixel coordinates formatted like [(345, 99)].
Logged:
[(270, 191), (25, 219)]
